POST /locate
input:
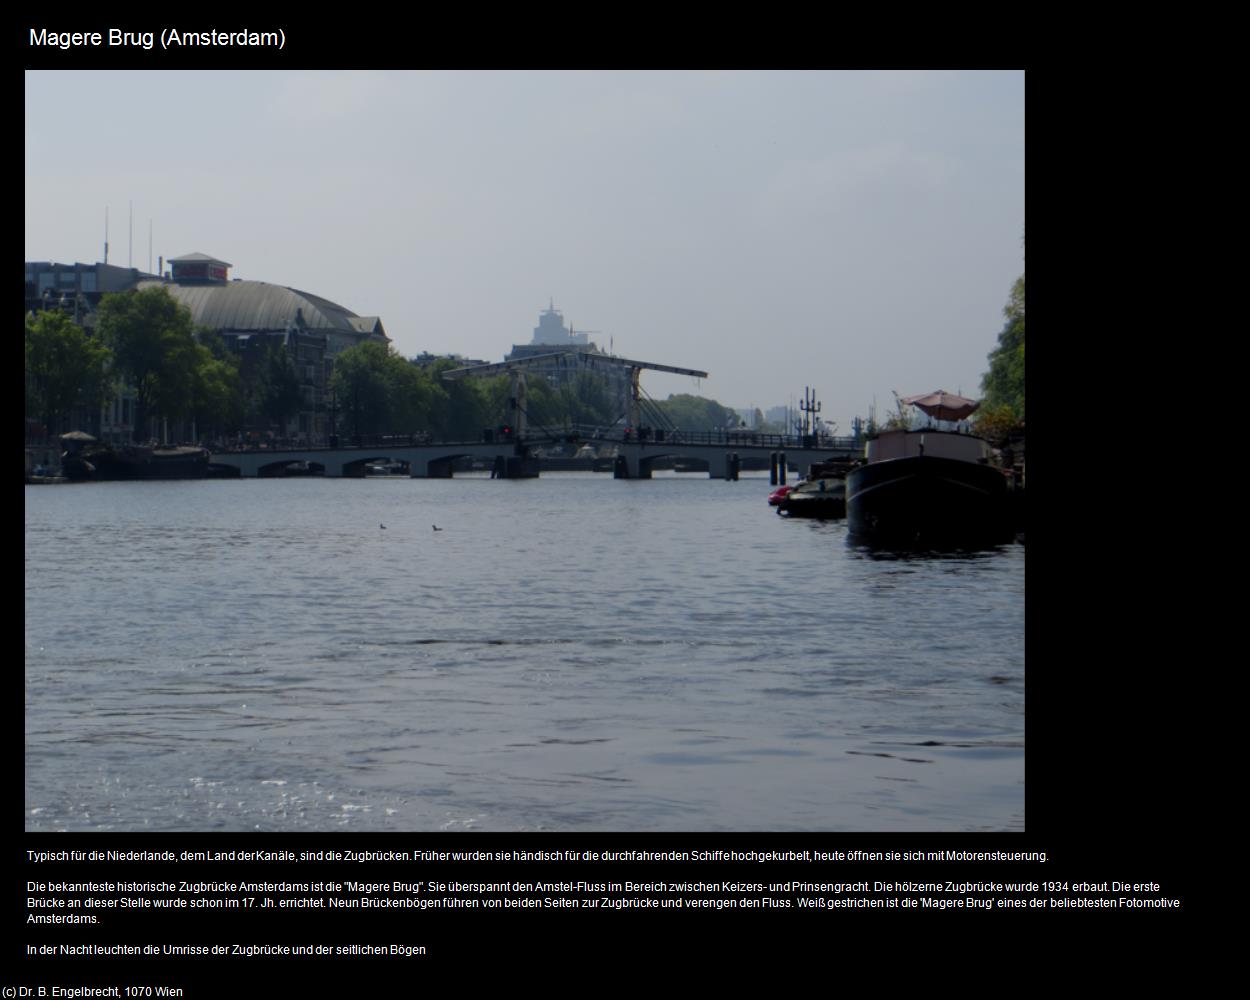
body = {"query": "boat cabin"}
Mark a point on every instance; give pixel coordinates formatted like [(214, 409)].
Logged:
[(938, 444)]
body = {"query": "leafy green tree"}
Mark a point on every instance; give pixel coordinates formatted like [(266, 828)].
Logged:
[(153, 343), (360, 387), (901, 419), (380, 392), (587, 400), (216, 345), (175, 383), (66, 369), (414, 398), (1003, 384), (277, 392), (216, 402), (463, 407), (544, 405), (695, 413)]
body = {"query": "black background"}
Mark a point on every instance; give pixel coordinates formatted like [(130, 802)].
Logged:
[(1114, 646)]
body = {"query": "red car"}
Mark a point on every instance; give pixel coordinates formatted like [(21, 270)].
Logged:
[(779, 494)]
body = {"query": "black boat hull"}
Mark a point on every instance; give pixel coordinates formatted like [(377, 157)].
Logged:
[(108, 464), (926, 501), (813, 506)]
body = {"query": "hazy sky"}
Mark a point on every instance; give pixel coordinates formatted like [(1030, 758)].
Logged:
[(856, 232)]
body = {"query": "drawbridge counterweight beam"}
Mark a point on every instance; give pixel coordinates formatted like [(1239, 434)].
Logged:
[(517, 370)]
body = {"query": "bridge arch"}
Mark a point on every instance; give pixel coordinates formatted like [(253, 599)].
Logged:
[(357, 468), (441, 467), (289, 468), (647, 462)]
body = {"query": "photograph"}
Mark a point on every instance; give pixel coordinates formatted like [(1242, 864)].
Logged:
[(524, 451)]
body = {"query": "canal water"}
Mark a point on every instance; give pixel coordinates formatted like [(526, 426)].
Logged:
[(572, 653)]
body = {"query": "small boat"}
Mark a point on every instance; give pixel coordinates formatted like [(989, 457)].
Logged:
[(38, 473), (87, 460), (380, 469), (291, 470), (821, 494), (816, 498)]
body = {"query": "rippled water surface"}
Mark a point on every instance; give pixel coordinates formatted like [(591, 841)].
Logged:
[(568, 653)]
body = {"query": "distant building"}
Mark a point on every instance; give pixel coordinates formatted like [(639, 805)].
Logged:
[(575, 354), (238, 308), (551, 336), (81, 286), (425, 359), (249, 315), (779, 415), (76, 290), (551, 330)]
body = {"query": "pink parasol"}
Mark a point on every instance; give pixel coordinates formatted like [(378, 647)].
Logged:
[(943, 405)]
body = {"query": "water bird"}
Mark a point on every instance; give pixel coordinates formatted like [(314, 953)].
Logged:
[(436, 527), (381, 525)]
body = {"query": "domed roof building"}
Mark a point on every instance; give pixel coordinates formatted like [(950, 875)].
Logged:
[(251, 316), (244, 308)]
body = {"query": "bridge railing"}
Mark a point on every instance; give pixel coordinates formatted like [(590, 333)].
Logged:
[(338, 442), (578, 434), (727, 438)]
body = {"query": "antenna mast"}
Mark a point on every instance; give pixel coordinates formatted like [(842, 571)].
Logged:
[(810, 407)]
